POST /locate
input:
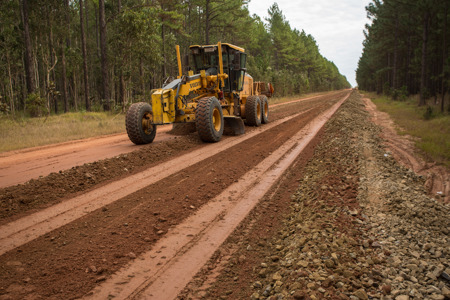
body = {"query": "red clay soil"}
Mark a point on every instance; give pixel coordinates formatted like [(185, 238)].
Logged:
[(73, 259), (22, 165), (22, 199)]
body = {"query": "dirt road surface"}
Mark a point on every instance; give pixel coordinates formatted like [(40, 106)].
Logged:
[(282, 211), (20, 166)]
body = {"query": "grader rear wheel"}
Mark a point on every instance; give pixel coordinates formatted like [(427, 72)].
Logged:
[(253, 111), (265, 109), (139, 125), (209, 119)]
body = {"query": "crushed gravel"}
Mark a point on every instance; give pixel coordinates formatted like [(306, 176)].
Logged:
[(360, 226)]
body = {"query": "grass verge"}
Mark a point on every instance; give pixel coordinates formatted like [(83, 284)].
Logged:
[(277, 100), (22, 133), (426, 123)]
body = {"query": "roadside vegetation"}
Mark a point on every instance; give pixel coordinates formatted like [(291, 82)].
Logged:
[(427, 123), (406, 50), (24, 132)]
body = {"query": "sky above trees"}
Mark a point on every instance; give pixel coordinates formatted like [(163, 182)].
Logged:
[(337, 26)]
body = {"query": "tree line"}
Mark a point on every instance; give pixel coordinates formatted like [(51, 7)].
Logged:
[(406, 49), (71, 55)]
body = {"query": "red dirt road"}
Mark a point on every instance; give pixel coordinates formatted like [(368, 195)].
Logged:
[(20, 166), (125, 220)]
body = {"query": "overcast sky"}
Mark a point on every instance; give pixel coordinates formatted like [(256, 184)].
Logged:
[(337, 27)]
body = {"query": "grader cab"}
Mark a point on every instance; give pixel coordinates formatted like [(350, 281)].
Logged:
[(217, 92)]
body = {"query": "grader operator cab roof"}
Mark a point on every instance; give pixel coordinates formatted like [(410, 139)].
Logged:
[(234, 60)]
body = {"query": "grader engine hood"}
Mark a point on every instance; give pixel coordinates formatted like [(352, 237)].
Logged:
[(167, 103)]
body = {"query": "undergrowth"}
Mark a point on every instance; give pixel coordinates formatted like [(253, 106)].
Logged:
[(24, 132)]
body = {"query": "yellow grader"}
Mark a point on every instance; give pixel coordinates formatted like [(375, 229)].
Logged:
[(218, 94)]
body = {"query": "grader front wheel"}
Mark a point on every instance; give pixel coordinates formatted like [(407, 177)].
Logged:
[(139, 125), (209, 119)]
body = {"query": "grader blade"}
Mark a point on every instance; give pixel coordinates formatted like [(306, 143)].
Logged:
[(233, 125)]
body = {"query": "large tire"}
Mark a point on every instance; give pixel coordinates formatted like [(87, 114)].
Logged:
[(265, 109), (209, 119), (139, 125), (253, 111)]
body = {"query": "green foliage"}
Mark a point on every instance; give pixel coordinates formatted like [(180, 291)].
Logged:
[(141, 39), (393, 54), (400, 94), (36, 105), (428, 115), (4, 108)]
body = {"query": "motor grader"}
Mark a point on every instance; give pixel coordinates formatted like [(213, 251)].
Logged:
[(215, 94)]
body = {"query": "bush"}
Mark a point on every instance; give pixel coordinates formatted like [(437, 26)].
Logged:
[(428, 114), (36, 105), (4, 108), (400, 94)]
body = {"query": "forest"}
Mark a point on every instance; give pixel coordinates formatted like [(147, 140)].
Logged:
[(101, 55), (406, 50)]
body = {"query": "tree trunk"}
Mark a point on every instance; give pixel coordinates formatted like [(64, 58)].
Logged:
[(84, 51), (104, 58), (121, 98), (51, 87), (163, 68), (11, 100), (207, 22), (141, 77), (68, 42), (97, 36), (29, 72), (64, 79), (424, 58), (75, 90), (163, 39), (122, 91), (394, 72), (444, 57)]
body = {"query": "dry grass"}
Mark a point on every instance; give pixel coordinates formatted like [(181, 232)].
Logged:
[(427, 123), (277, 100), (31, 132)]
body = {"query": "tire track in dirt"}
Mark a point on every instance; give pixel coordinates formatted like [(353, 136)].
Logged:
[(71, 260), (21, 231), (20, 166), (164, 271)]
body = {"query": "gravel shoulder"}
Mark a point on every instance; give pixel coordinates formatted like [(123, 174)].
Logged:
[(349, 222)]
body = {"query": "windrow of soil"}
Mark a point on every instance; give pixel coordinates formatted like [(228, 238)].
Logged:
[(351, 224), (72, 260), (17, 201)]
